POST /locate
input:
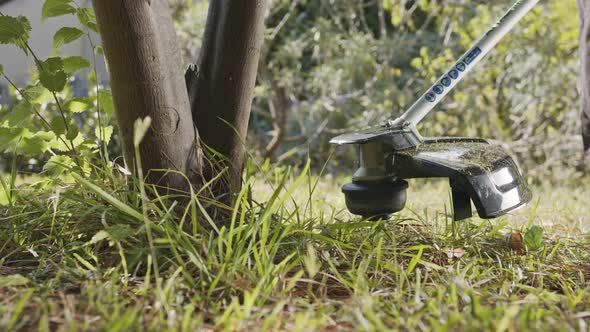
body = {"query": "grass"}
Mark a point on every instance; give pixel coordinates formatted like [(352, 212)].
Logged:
[(77, 257)]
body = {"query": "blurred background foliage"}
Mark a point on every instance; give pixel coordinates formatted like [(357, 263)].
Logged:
[(331, 66)]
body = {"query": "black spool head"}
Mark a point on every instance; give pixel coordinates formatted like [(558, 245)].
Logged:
[(375, 199)]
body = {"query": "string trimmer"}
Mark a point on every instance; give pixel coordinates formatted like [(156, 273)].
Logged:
[(477, 170)]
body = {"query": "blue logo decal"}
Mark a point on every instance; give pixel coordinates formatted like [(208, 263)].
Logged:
[(446, 81), (461, 66), (472, 55), (438, 89), (431, 97), (454, 74)]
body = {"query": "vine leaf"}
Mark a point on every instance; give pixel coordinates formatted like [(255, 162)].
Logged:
[(65, 36), (8, 136), (74, 63), (79, 105), (58, 125), (87, 18), (20, 113), (60, 146), (52, 75), (37, 94), (34, 145), (59, 164), (105, 98), (107, 133), (54, 8), (15, 31), (72, 132)]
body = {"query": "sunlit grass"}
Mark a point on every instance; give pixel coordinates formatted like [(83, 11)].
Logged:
[(76, 258)]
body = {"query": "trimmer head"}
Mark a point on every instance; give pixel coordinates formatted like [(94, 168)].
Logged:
[(477, 171)]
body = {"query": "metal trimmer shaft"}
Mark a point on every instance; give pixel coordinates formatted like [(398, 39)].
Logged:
[(466, 63)]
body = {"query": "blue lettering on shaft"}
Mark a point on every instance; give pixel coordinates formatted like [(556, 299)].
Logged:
[(431, 97), (472, 55), (454, 73), (438, 89)]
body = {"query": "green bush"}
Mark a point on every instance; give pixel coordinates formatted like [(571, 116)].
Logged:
[(336, 71)]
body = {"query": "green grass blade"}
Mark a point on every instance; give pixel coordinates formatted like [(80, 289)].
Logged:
[(107, 197)]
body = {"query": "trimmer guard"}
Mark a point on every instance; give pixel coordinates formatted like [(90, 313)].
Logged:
[(477, 171)]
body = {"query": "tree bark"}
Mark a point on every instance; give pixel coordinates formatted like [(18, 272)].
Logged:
[(145, 72), (584, 12), (221, 86)]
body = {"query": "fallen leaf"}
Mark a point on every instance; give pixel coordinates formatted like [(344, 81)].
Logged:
[(455, 253), (515, 241)]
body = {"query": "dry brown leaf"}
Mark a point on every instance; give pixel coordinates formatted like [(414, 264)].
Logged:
[(455, 253)]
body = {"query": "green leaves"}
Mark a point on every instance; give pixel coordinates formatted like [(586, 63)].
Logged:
[(33, 145), (20, 125), (20, 113), (59, 164), (74, 63), (87, 18), (9, 136), (79, 105), (72, 133), (52, 75), (37, 94), (15, 31), (65, 36), (28, 143), (107, 133), (59, 145), (105, 99), (54, 8), (58, 125), (533, 238)]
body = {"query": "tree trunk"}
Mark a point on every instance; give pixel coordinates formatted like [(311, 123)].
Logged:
[(584, 12), (146, 79), (221, 87)]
